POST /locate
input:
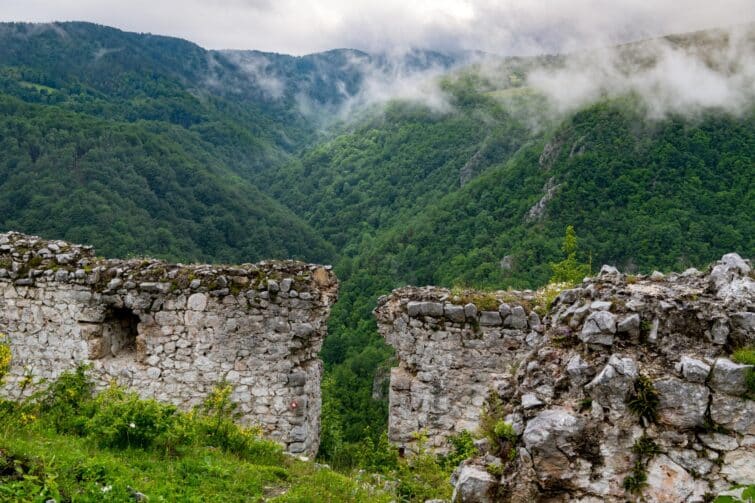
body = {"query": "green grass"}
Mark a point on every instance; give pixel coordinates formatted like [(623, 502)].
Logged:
[(36, 464), (747, 356), (67, 444)]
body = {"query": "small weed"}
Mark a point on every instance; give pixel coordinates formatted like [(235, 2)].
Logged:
[(564, 341), (485, 301), (495, 469), (746, 356), (585, 404), (546, 295), (646, 326), (5, 356), (637, 480), (645, 448), (643, 399), (35, 261)]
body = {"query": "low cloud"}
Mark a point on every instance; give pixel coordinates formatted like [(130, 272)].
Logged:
[(712, 71), (257, 68), (506, 27), (393, 78)]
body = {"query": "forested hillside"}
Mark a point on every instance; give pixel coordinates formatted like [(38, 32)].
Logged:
[(113, 139), (643, 195), (141, 144)]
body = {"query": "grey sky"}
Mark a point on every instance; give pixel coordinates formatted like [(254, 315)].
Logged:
[(298, 27)]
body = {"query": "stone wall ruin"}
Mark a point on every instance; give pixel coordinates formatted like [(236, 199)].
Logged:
[(567, 381), (170, 331)]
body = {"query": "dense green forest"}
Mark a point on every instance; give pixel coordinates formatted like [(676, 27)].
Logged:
[(140, 144)]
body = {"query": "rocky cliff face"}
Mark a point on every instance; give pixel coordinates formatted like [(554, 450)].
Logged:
[(625, 390), (172, 331)]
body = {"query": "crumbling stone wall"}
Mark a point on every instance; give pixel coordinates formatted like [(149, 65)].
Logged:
[(452, 349), (568, 394), (172, 331)]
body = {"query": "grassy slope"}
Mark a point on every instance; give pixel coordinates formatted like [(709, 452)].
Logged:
[(68, 443), (73, 469)]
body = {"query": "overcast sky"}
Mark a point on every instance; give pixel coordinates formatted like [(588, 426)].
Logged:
[(300, 27)]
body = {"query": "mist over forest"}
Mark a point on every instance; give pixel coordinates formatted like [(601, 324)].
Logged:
[(459, 154)]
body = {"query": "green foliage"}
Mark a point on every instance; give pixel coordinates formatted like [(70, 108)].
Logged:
[(5, 356), (645, 448), (137, 189), (635, 482), (66, 403), (166, 454), (421, 476), (495, 469), (747, 496), (569, 270), (462, 447), (643, 399), (122, 420), (504, 431), (746, 356), (500, 434)]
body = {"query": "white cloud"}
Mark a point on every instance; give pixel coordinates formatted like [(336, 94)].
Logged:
[(297, 27), (667, 77)]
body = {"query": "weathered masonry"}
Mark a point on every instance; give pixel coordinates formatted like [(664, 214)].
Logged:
[(172, 331), (625, 389), (452, 350)]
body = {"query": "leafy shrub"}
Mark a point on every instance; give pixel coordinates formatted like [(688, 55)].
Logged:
[(215, 426), (493, 410), (378, 457), (569, 270), (5, 356), (124, 420), (67, 402), (499, 433), (462, 447), (421, 476), (504, 431)]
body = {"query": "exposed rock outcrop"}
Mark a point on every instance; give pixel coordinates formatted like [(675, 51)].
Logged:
[(624, 390), (172, 331)]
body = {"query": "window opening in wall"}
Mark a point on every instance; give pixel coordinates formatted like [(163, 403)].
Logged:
[(119, 332)]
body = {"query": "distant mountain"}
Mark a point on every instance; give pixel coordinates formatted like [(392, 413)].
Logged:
[(331, 77), (117, 139)]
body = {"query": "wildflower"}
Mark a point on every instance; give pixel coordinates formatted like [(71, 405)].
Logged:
[(131, 425), (106, 489)]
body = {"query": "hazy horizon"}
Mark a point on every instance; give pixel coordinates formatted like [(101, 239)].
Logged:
[(515, 27)]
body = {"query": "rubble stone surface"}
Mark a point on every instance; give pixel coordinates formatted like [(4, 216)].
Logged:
[(614, 363)]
